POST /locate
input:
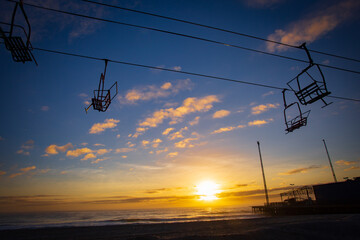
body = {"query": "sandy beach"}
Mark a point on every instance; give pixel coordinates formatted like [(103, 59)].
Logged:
[(337, 226)]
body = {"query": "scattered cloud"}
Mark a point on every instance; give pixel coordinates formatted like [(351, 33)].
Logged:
[(195, 121), (21, 151), (118, 136), (262, 3), (45, 108), (98, 160), (300, 170), (99, 145), (263, 108), (345, 163), (177, 68), (24, 150), (103, 151), (145, 143), (54, 149), (172, 154), (190, 105), (88, 156), (78, 152), (2, 173), (23, 171), (186, 143), (178, 134), (260, 122), (352, 168), (161, 151), (227, 129), (130, 144), (314, 25), (124, 150), (100, 127), (268, 94), (151, 92), (221, 114), (167, 131), (156, 142)]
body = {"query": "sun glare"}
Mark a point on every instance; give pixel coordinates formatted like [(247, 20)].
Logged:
[(207, 190)]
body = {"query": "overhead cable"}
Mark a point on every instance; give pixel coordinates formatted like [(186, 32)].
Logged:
[(218, 29), (185, 35), (177, 71)]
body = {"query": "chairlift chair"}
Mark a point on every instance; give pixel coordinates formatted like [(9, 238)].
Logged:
[(297, 122), (20, 51), (314, 91), (102, 98)]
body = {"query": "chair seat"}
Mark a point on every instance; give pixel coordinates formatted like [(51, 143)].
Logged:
[(19, 51)]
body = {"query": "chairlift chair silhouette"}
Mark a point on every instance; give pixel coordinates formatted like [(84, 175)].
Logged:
[(102, 98), (314, 91), (295, 122), (20, 51)]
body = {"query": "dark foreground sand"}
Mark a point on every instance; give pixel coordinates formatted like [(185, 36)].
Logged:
[(340, 226)]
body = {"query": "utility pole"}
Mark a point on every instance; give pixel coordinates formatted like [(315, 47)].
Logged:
[(331, 166), (262, 169)]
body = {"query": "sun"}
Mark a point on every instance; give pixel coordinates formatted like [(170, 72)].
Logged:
[(207, 190)]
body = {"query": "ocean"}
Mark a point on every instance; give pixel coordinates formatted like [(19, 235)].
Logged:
[(115, 217)]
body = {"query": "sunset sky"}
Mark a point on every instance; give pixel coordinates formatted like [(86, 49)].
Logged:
[(166, 133)]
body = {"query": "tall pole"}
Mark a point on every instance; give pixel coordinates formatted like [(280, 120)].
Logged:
[(331, 166), (262, 169)]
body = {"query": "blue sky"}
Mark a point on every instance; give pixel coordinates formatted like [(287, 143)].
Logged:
[(165, 132)]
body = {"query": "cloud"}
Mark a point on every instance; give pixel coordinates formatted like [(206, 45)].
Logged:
[(172, 154), (345, 163), (190, 105), (315, 25), (156, 142), (124, 150), (177, 134), (45, 108), (161, 151), (145, 142), (21, 151), (23, 171), (167, 131), (221, 114), (54, 149), (262, 3), (78, 152), (195, 121), (130, 144), (99, 145), (227, 129), (352, 168), (300, 170), (103, 151), (2, 173), (88, 156), (118, 136), (259, 122), (100, 127), (151, 92), (186, 143), (263, 108), (98, 160), (177, 68), (268, 94), (25, 147)]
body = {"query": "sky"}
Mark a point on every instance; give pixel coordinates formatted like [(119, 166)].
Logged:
[(165, 133)]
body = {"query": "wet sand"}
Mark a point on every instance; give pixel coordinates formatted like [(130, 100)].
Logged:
[(337, 226)]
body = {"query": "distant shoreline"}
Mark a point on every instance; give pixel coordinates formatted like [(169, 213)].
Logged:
[(335, 226)]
